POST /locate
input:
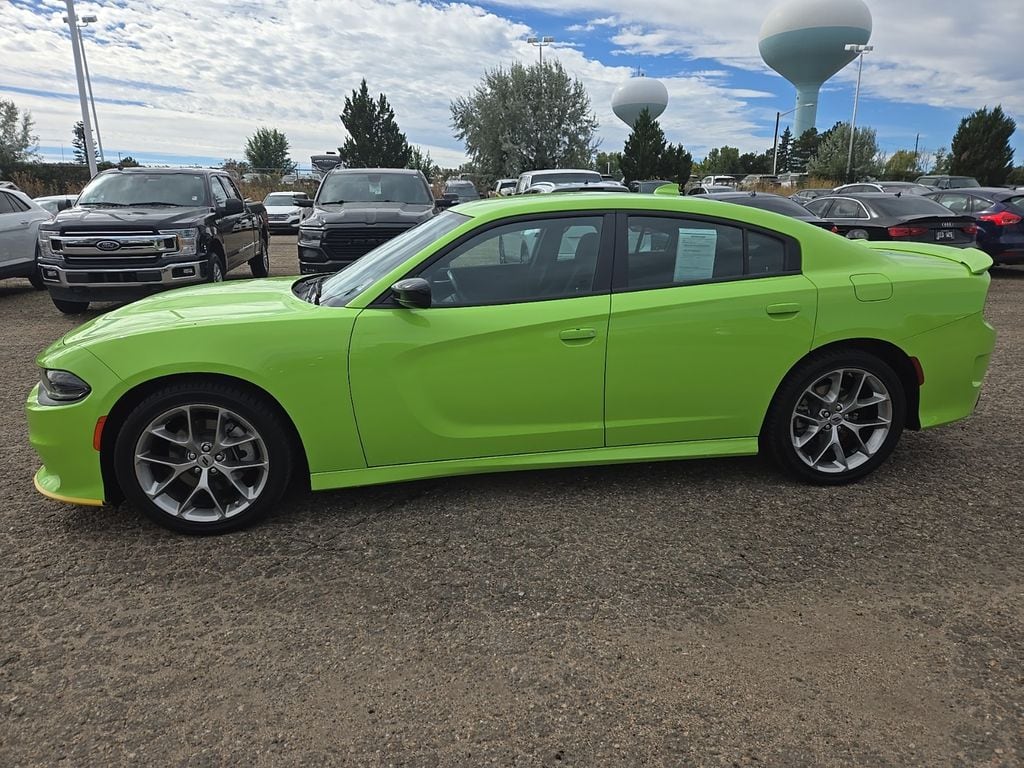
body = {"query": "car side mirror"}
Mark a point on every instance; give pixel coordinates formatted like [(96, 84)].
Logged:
[(231, 207), (443, 202), (64, 205), (303, 203), (412, 293)]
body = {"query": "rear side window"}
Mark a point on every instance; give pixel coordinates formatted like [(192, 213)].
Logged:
[(848, 209), (5, 203), (664, 252), (817, 207)]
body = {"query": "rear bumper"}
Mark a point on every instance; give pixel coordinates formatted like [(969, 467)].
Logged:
[(954, 359)]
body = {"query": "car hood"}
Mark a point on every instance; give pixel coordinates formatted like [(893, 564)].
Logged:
[(373, 213), (115, 218), (287, 210), (237, 302)]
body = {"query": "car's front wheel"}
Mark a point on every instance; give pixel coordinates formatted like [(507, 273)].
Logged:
[(836, 417), (203, 458)]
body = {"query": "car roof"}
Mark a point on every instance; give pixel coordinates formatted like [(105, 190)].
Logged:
[(192, 171), (403, 171)]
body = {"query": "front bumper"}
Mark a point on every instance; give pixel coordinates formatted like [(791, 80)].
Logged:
[(284, 225), (117, 283)]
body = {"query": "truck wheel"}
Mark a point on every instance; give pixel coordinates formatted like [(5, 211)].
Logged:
[(37, 280), (215, 270), (260, 263), (70, 307)]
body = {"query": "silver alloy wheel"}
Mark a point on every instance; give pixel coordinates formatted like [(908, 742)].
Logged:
[(841, 420), (216, 271), (202, 463)]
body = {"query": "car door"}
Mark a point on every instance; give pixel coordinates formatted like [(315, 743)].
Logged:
[(707, 317), (229, 226), (850, 217), (508, 359), (246, 227), (18, 228)]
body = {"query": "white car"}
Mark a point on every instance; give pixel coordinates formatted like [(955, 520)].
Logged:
[(504, 187), (19, 233), (55, 203), (283, 213), (556, 176)]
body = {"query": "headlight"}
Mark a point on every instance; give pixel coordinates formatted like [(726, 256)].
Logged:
[(309, 236), (188, 240), (45, 248), (60, 387)]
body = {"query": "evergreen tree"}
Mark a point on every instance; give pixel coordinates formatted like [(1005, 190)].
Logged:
[(803, 150), (609, 163), (78, 142), (676, 164), (422, 161), (981, 147), (266, 151), (642, 157), (526, 118), (374, 138), (785, 144)]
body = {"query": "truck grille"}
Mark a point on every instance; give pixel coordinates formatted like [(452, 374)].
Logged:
[(122, 248), (349, 243)]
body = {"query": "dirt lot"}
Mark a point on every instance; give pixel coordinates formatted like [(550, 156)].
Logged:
[(701, 613)]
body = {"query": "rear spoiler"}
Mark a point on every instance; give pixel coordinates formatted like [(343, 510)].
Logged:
[(976, 261)]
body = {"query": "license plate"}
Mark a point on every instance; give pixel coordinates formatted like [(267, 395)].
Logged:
[(945, 234)]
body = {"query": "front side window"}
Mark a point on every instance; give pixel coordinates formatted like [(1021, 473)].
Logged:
[(220, 195), (664, 252), (525, 261)]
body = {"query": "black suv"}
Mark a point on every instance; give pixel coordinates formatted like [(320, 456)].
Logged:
[(137, 231), (357, 209)]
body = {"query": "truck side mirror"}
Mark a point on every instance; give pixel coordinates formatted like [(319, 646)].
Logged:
[(232, 206), (302, 202)]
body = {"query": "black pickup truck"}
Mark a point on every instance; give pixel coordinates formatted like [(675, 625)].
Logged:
[(137, 231)]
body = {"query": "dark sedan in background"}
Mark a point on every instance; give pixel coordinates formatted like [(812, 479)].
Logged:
[(881, 216), (774, 203), (999, 214)]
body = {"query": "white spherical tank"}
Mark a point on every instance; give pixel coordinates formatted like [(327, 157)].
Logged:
[(805, 42), (637, 94)]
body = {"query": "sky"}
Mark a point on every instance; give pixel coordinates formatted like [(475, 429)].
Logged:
[(187, 81)]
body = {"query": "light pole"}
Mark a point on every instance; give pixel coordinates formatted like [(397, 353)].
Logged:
[(76, 50), (86, 21), (540, 43), (775, 146), (860, 50)]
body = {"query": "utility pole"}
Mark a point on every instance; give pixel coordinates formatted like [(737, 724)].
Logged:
[(90, 153), (860, 50)]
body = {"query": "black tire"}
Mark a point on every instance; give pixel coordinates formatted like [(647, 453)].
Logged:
[(35, 276), (70, 307), (778, 437), (260, 263), (261, 416), (215, 269)]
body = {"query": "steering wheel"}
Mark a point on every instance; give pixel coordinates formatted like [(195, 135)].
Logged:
[(456, 291)]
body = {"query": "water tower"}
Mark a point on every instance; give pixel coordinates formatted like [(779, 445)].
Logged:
[(804, 41), (637, 94)]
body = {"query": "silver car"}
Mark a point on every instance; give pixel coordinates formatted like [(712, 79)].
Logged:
[(19, 230)]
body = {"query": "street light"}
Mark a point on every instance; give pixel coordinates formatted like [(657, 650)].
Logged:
[(76, 49), (860, 50), (540, 43), (775, 146), (86, 21)]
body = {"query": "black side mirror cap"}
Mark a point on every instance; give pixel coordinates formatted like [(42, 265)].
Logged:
[(443, 202), (301, 202), (412, 293), (232, 206)]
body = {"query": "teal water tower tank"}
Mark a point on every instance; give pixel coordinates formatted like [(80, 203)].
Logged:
[(804, 41)]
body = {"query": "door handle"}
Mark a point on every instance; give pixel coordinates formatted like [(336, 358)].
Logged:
[(776, 310), (577, 334)]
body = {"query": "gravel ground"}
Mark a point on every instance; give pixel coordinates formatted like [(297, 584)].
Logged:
[(690, 613)]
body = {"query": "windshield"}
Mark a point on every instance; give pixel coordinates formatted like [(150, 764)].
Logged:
[(909, 206), (343, 286), (373, 188), (279, 200), (185, 189)]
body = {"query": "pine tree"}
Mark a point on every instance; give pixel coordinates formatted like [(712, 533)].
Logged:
[(78, 142), (644, 150), (782, 153), (803, 150), (374, 138), (981, 147), (676, 164)]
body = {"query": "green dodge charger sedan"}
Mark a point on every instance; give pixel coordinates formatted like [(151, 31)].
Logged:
[(549, 331)]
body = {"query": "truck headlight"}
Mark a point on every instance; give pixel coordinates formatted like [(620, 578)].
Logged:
[(309, 236), (61, 387), (188, 240), (45, 246)]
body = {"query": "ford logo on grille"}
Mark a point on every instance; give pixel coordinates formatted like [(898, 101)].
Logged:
[(108, 245)]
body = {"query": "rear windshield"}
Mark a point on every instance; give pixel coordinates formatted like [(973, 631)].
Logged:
[(567, 178), (373, 188), (906, 189), (781, 205), (909, 206)]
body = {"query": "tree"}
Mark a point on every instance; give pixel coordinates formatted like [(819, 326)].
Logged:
[(785, 144), (981, 147), (128, 162), (374, 138), (526, 118), (751, 162), (830, 161), (78, 142), (676, 164), (266, 151), (17, 142), (236, 168), (1016, 176), (642, 155), (942, 161), (721, 160), (609, 163), (904, 165), (802, 150), (422, 161)]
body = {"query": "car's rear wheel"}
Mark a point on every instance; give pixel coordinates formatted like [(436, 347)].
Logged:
[(836, 417), (260, 263), (206, 458), (70, 307)]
